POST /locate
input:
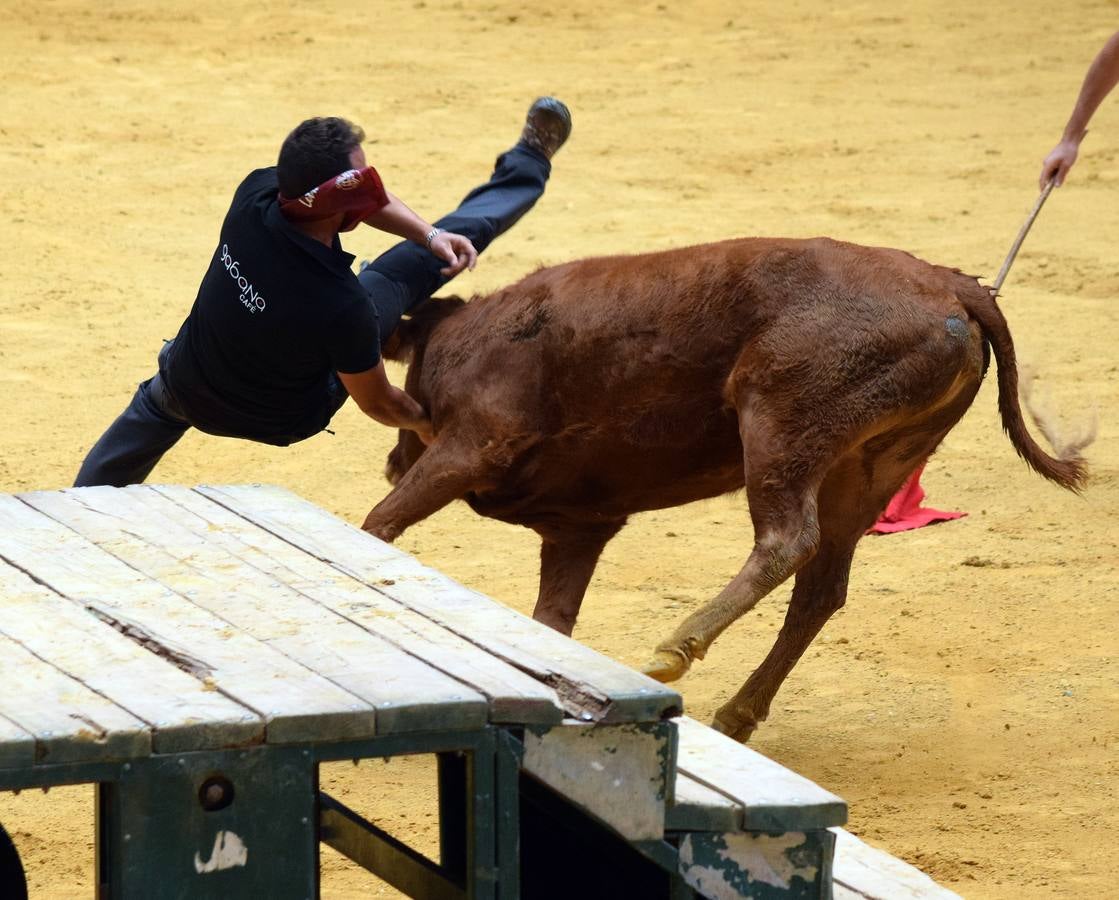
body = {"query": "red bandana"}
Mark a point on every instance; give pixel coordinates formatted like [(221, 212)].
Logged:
[(356, 192)]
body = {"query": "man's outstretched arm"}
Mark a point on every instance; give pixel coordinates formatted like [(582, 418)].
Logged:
[(383, 403), (1103, 75), (396, 218)]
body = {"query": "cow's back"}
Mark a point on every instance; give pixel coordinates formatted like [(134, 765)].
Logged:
[(621, 369)]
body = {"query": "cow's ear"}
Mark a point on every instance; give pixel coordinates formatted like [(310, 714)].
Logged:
[(415, 328), (395, 348)]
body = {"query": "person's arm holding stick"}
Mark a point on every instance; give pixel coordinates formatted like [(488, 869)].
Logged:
[(1102, 76)]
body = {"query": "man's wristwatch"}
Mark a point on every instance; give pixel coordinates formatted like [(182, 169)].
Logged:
[(431, 236)]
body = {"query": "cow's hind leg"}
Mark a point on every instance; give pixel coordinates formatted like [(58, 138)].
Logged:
[(567, 562), (782, 502), (446, 471), (852, 495)]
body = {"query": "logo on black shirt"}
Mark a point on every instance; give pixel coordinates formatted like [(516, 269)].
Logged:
[(251, 300)]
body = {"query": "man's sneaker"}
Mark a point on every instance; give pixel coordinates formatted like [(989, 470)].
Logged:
[(547, 126)]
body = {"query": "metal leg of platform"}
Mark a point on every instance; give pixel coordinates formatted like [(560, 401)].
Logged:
[(209, 825)]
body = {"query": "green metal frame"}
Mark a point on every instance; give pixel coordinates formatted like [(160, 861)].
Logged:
[(161, 835), (396, 863), (156, 840)]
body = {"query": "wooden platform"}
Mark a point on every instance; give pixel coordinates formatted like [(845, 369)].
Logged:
[(198, 652)]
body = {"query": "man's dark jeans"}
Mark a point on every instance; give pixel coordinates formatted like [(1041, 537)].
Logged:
[(397, 281), (134, 443)]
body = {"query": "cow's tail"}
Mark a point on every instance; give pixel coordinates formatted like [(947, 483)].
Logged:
[(1067, 468)]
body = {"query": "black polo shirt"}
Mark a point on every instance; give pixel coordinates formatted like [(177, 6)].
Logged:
[(277, 313)]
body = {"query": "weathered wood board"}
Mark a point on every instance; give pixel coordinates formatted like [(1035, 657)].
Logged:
[(294, 702), (70, 723), (513, 695), (591, 686), (182, 712), (145, 530), (772, 797), (697, 807), (862, 872)]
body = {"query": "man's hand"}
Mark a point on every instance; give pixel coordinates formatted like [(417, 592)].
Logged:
[(456, 250), (453, 249), (1056, 165), (386, 404)]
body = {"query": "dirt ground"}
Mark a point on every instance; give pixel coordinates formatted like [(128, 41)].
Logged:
[(965, 701)]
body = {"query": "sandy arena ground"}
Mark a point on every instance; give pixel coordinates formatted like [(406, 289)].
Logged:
[(965, 702)]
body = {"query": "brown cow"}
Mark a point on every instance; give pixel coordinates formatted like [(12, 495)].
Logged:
[(816, 374)]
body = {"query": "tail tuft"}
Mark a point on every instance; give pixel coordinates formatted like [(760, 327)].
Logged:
[(1067, 446), (1068, 468)]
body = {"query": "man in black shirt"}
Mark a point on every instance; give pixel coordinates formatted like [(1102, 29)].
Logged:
[(282, 331)]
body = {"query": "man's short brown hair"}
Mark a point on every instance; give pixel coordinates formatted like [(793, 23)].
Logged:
[(316, 150)]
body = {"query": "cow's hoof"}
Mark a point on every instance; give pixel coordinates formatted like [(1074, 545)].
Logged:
[(379, 529), (728, 723), (668, 665)]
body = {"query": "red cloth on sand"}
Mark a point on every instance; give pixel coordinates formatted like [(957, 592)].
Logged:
[(904, 511)]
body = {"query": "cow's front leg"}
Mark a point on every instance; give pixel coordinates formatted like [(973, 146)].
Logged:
[(445, 472), (567, 562)]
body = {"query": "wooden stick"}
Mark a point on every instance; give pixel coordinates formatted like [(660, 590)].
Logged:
[(1022, 234)]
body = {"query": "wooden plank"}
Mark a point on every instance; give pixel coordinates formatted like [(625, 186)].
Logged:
[(145, 530), (70, 722), (513, 696), (862, 872), (183, 712), (294, 703), (591, 686), (697, 807), (617, 773), (17, 746), (773, 798)]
